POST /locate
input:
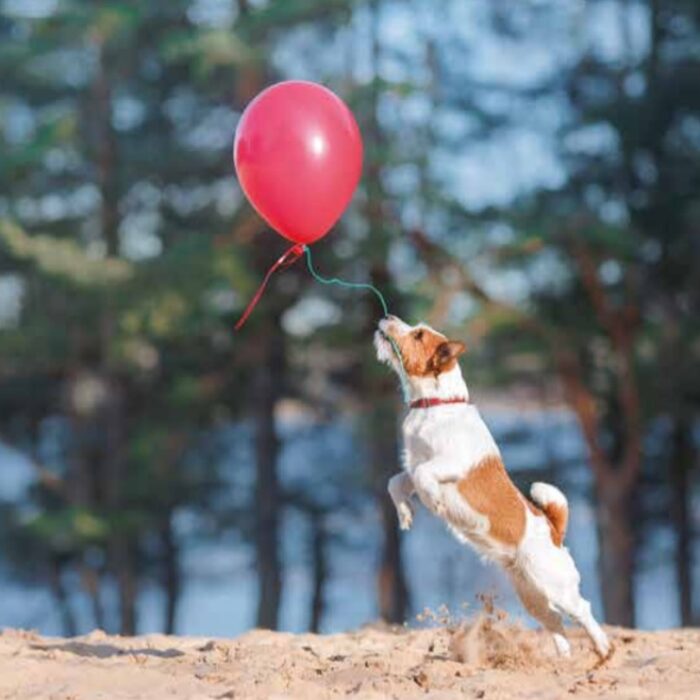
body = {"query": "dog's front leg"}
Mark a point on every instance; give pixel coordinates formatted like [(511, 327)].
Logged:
[(428, 478), (401, 489)]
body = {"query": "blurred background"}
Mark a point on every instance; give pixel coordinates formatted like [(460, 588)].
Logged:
[(531, 186)]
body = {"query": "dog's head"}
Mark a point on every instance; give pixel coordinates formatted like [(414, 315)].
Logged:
[(424, 351)]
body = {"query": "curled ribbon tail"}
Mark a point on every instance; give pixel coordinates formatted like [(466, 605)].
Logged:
[(285, 260)]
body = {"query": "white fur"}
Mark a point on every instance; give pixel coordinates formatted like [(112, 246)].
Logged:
[(442, 444), (543, 494)]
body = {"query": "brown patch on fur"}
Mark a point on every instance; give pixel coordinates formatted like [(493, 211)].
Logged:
[(487, 488), (532, 507), (556, 538), (558, 517), (425, 352)]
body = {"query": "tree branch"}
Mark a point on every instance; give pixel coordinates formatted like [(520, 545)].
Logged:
[(620, 326), (579, 397)]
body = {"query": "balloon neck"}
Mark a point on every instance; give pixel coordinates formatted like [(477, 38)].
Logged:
[(289, 257)]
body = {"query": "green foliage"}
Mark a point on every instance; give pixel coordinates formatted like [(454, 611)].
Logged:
[(61, 258)]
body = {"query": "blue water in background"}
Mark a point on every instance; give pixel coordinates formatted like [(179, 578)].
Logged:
[(220, 587)]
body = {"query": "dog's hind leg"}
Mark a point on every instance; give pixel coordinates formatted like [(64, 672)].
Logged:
[(537, 604), (552, 623), (579, 610), (562, 591), (551, 571)]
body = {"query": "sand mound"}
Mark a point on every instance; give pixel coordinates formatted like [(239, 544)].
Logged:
[(490, 643), (484, 658)]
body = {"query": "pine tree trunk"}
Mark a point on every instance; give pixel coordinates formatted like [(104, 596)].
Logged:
[(122, 556), (393, 591), (616, 555), (91, 581), (391, 581), (70, 627), (682, 460), (122, 548), (320, 571), (267, 390), (172, 581)]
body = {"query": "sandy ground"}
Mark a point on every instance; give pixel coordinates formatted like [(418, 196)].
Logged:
[(489, 659)]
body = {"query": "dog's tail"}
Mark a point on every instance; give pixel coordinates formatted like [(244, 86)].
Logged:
[(554, 505)]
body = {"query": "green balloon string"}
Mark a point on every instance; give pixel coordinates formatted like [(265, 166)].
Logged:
[(342, 283), (385, 309)]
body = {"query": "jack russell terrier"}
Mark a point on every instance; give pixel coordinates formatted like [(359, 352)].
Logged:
[(453, 464)]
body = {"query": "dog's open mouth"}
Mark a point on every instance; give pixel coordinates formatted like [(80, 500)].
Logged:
[(383, 346), (387, 349)]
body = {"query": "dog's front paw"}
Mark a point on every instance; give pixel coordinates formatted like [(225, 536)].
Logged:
[(405, 513)]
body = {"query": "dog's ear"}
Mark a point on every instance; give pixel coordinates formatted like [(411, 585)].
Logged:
[(447, 353)]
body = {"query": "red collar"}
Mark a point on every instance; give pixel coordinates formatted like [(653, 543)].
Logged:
[(429, 403)]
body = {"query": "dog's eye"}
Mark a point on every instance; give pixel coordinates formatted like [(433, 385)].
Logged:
[(418, 335)]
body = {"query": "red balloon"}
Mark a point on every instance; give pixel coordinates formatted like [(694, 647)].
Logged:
[(298, 155)]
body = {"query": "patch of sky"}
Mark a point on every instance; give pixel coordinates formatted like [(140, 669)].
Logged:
[(16, 474), (403, 179), (127, 112), (217, 14), (228, 197), (547, 272), (143, 194), (29, 9), (618, 32), (12, 290), (614, 212), (62, 160), (494, 171), (76, 203), (610, 272), (406, 268), (690, 129), (72, 67), (304, 51), (189, 197), (180, 107), (309, 314), (593, 140), (53, 441), (18, 122), (138, 235), (213, 132)]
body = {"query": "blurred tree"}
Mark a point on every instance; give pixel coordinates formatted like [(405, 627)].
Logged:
[(382, 419), (257, 28), (636, 264), (129, 143), (363, 257), (118, 300)]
